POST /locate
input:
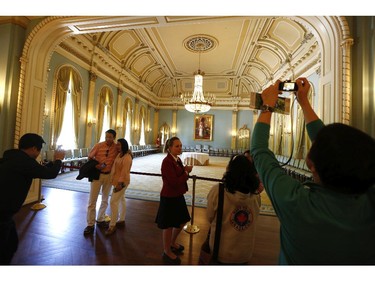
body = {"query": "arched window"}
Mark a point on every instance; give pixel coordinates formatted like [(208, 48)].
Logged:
[(105, 112), (164, 133), (128, 108), (243, 138), (142, 117), (67, 108), (66, 138), (106, 122)]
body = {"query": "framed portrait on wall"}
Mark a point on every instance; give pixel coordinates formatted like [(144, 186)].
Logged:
[(203, 127)]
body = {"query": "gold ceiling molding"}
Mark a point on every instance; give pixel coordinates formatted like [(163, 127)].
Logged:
[(44, 37), (201, 43)]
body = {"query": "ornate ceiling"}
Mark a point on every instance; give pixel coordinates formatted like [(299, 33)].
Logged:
[(151, 55)]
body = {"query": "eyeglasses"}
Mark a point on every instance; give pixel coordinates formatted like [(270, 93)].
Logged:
[(106, 153)]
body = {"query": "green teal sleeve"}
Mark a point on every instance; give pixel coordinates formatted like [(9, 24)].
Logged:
[(313, 128), (280, 187)]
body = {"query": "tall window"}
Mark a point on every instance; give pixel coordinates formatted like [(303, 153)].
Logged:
[(106, 122), (67, 108), (104, 113), (128, 120), (142, 125), (128, 129), (164, 133), (142, 138), (66, 138)]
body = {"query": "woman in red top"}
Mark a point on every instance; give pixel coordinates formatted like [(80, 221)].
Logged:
[(173, 213)]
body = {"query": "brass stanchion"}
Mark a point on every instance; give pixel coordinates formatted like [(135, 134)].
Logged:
[(39, 206), (190, 227)]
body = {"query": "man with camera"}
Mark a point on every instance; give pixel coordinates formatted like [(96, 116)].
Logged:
[(18, 168), (332, 219)]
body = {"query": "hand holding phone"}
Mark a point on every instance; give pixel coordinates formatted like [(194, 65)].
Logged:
[(288, 86)]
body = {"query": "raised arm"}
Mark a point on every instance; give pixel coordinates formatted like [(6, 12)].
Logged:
[(303, 100)]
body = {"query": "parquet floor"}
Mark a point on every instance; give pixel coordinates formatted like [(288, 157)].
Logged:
[(54, 235)]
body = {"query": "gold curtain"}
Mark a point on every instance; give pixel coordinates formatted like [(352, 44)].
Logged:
[(127, 117), (105, 99), (142, 118), (279, 121), (299, 133), (307, 142), (164, 131), (302, 140), (63, 78), (243, 138), (76, 88)]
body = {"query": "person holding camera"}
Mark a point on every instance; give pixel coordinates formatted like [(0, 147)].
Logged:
[(250, 158), (105, 153), (18, 168), (332, 219)]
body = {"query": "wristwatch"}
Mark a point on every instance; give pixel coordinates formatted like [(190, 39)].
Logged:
[(266, 107)]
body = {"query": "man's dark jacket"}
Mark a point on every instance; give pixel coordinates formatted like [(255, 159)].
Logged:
[(17, 170), (89, 171)]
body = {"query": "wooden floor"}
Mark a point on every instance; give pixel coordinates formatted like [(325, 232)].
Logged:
[(54, 235)]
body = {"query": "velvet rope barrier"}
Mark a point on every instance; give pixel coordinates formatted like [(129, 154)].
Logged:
[(189, 227)]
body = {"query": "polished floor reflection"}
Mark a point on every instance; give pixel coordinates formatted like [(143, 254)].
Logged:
[(54, 235)]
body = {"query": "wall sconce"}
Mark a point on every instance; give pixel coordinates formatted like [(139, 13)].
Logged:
[(92, 122), (149, 130), (45, 113), (119, 126), (136, 129), (288, 130)]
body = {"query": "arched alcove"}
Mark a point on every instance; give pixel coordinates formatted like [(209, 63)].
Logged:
[(332, 34)]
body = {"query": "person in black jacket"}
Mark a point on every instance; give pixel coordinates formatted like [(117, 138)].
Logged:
[(18, 168)]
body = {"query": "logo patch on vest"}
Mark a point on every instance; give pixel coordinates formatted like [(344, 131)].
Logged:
[(241, 218)]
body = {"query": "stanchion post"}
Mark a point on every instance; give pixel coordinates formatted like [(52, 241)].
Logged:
[(190, 227)]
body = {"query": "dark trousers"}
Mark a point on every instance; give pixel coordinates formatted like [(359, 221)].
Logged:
[(8, 241)]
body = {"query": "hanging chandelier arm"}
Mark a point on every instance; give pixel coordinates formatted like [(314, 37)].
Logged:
[(197, 103)]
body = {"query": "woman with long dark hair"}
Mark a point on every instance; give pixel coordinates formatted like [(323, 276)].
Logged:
[(120, 179), (240, 211)]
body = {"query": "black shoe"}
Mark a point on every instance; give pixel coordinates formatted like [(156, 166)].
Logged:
[(168, 260), (89, 229), (178, 250), (120, 223), (102, 224)]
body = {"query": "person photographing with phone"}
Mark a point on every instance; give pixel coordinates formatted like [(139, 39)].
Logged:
[(330, 220), (18, 168)]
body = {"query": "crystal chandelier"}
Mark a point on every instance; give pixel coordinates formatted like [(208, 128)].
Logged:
[(196, 102)]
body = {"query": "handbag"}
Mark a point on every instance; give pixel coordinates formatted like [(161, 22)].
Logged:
[(206, 257)]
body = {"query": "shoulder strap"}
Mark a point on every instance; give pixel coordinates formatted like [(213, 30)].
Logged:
[(219, 219)]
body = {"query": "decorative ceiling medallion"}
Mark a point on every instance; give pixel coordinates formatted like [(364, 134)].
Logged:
[(200, 43)]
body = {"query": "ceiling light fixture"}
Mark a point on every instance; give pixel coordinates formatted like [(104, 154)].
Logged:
[(196, 102)]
